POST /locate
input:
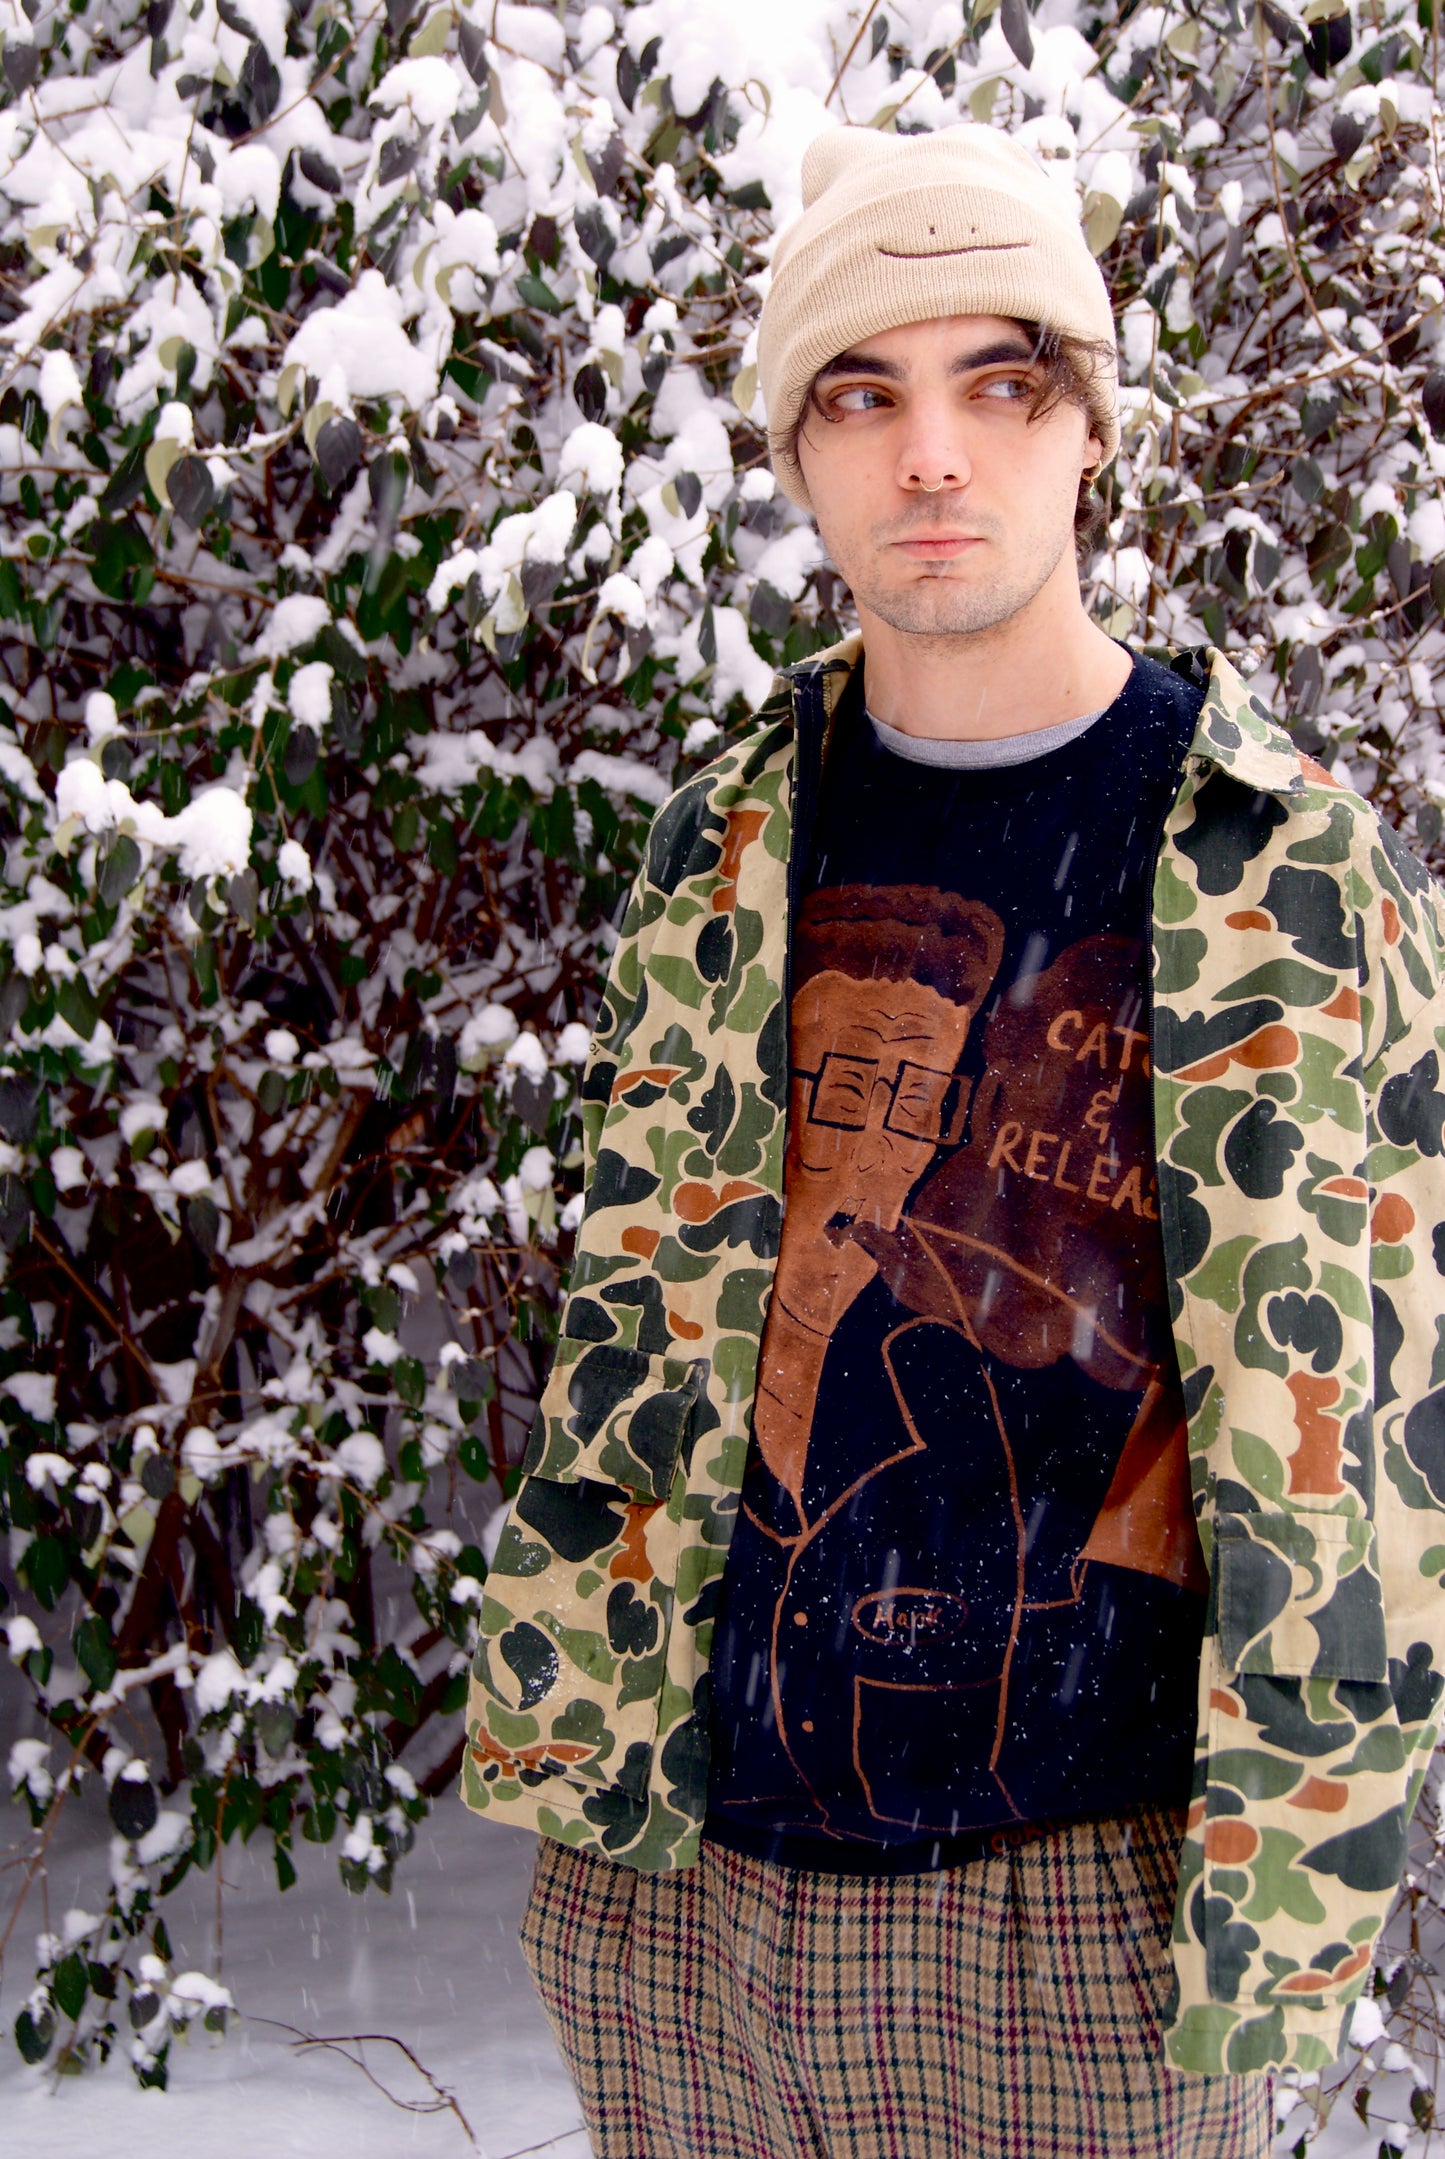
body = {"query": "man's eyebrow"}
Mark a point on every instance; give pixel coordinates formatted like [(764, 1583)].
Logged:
[(862, 363), (1002, 349), (872, 363)]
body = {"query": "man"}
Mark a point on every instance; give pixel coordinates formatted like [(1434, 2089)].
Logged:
[(928, 1607)]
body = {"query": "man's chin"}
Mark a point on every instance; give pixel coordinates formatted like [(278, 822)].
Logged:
[(941, 608)]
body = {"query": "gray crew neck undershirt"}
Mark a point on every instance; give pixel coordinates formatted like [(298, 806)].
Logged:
[(977, 756)]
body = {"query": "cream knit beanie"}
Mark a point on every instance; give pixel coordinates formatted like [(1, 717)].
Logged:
[(904, 228)]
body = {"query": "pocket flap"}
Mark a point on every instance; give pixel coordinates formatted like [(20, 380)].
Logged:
[(1299, 1596), (614, 1414)]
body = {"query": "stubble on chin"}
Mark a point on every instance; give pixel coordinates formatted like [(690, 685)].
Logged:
[(936, 602), (937, 606)]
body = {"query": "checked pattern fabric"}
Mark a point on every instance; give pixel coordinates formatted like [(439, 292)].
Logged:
[(1008, 2009)]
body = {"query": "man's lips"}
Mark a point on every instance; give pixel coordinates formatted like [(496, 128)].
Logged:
[(936, 546)]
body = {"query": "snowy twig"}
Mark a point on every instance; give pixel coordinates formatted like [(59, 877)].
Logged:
[(848, 55), (445, 2102)]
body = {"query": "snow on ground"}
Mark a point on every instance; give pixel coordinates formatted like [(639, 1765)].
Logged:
[(436, 1964)]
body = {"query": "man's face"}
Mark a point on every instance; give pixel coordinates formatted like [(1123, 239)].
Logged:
[(943, 504)]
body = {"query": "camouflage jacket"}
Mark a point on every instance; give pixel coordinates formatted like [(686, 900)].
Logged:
[(1296, 1031)]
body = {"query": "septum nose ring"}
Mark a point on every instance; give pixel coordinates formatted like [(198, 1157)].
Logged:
[(927, 490)]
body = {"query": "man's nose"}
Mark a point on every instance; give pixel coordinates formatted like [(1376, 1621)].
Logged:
[(933, 454), (877, 1150)]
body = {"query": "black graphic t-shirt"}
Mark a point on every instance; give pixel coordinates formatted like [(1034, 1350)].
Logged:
[(965, 1589)]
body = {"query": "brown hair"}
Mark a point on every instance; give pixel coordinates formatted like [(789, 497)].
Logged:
[(901, 933), (1071, 372)]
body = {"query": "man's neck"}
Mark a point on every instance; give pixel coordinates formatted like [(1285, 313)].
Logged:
[(1013, 679)]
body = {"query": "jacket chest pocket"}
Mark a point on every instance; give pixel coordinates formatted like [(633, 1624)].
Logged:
[(1299, 1596), (570, 1667)]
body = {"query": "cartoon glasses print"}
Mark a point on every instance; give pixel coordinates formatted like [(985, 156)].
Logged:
[(922, 1104)]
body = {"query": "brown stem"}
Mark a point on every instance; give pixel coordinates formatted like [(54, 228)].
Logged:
[(341, 1145), (169, 1706), (92, 1297), (162, 1553), (848, 55), (445, 2102)]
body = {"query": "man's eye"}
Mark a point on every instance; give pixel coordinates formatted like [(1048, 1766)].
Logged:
[(861, 398), (1012, 389)]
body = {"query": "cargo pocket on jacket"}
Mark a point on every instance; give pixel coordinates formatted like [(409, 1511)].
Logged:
[(1299, 1596), (579, 1601)]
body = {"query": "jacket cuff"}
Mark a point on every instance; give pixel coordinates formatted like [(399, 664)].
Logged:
[(1215, 2039)]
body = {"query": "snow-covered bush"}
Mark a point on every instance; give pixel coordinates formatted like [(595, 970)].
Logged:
[(386, 525)]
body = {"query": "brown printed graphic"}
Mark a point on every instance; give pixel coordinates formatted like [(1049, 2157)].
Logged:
[(888, 984), (1034, 1238)]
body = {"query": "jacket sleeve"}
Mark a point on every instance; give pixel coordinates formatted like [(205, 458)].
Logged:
[(586, 1713), (1321, 1682)]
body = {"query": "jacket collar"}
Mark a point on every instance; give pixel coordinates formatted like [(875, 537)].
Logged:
[(1235, 732), (825, 674)]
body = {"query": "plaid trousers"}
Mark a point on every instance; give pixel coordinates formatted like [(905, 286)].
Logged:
[(1006, 2009)]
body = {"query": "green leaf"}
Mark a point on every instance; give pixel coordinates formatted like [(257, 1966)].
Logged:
[(473, 1456), (46, 1568), (276, 1725), (536, 293), (441, 847), (33, 2035), (340, 654), (77, 1007), (122, 557), (134, 1807), (156, 2074), (95, 1651), (318, 1823), (14, 1212), (203, 961), (119, 869), (192, 491), (203, 1222), (126, 484), (70, 1985)]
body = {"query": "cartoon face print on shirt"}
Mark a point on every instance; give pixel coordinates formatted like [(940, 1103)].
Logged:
[(888, 981)]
